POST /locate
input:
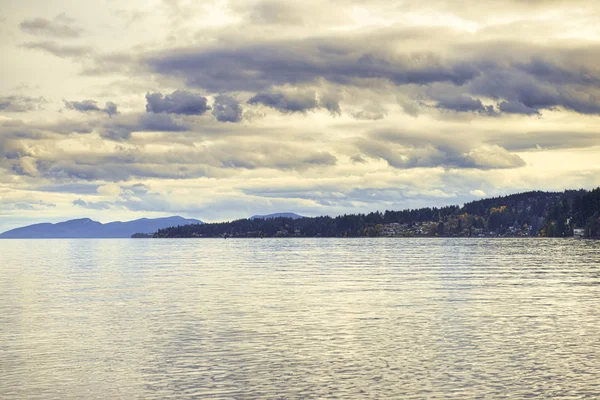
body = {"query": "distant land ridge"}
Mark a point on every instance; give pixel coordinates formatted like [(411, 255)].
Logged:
[(87, 228), (530, 214), (277, 215)]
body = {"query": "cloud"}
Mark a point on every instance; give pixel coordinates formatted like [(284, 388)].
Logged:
[(290, 101), (122, 129), (111, 63), (331, 103), (464, 103), (26, 205), (478, 193), (100, 205), (477, 96), (492, 157), (227, 109), (404, 151), (123, 166), (368, 115), (301, 101), (20, 104), (135, 189), (84, 106), (111, 108), (358, 159), (59, 50), (57, 154), (516, 107), (332, 196), (459, 73), (26, 165), (59, 27), (259, 66), (178, 102), (529, 92), (275, 12), (74, 188), (372, 111), (555, 73), (109, 190), (541, 140), (117, 132), (160, 123)]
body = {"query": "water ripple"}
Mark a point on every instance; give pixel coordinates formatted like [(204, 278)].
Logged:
[(300, 319)]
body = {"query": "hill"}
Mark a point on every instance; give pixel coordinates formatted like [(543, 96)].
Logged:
[(87, 228), (550, 214)]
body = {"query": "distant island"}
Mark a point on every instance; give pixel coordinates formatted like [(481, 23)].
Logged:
[(87, 228), (529, 214)]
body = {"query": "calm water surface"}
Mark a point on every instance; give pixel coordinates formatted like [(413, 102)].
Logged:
[(300, 319)]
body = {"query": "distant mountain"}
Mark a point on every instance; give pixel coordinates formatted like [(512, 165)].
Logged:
[(277, 215), (87, 228)]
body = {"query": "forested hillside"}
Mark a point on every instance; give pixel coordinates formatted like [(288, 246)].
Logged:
[(552, 214)]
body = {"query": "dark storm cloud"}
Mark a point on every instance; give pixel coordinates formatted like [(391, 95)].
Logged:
[(178, 102), (59, 50), (287, 103), (256, 67), (516, 107), (84, 106), (518, 78), (570, 73), (300, 101), (60, 27), (464, 103), (227, 109), (520, 93), (20, 103)]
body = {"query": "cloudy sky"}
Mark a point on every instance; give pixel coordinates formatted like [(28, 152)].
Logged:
[(224, 109)]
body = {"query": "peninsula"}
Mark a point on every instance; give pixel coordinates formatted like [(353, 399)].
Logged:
[(529, 214)]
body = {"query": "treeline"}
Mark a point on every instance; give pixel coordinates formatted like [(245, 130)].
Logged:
[(574, 212), (555, 214)]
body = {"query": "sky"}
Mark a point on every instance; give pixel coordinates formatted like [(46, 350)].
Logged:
[(216, 110)]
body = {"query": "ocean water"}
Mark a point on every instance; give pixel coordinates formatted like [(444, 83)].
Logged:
[(300, 319)]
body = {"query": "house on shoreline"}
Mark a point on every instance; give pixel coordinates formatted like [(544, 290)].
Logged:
[(579, 232)]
